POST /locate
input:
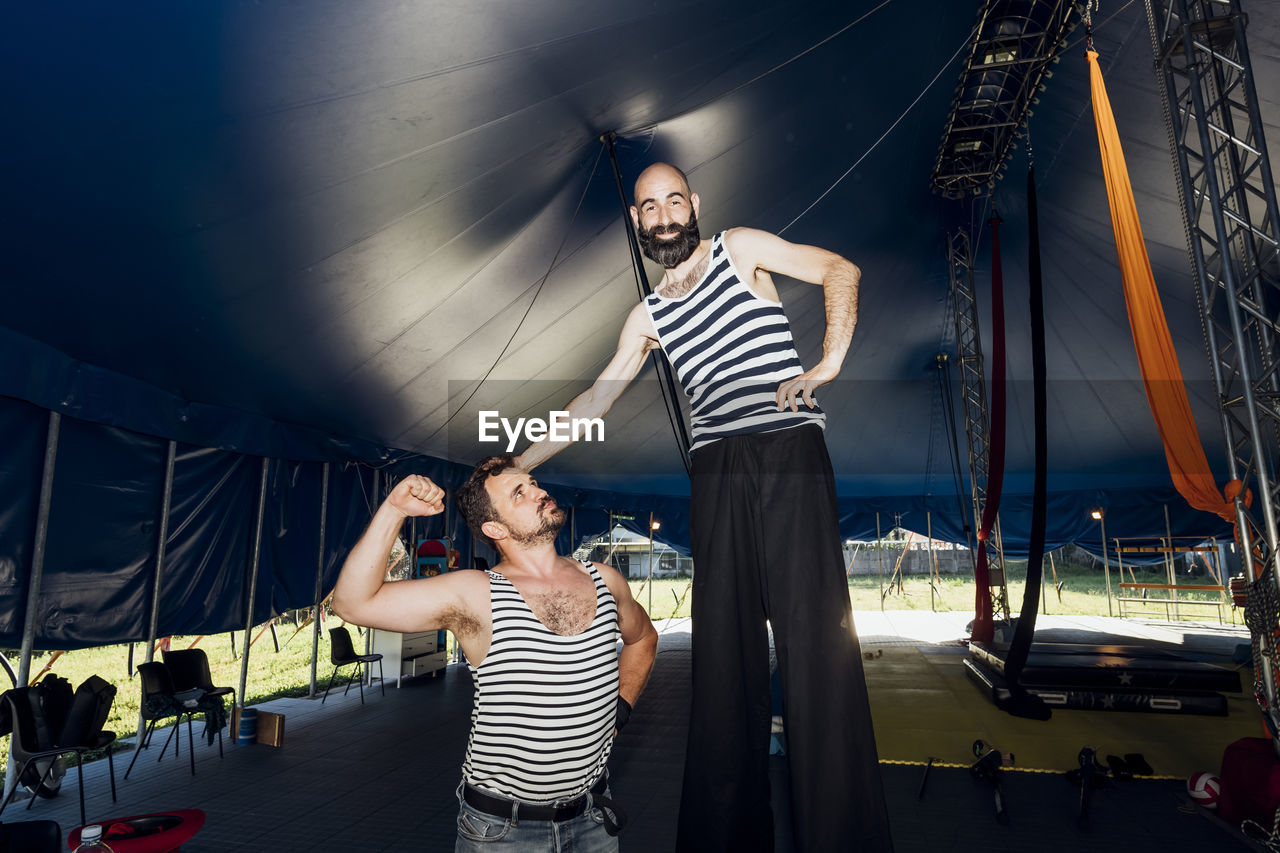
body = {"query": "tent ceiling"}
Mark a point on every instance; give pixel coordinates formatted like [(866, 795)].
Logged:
[(345, 216)]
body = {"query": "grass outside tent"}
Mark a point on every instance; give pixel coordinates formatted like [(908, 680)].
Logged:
[(287, 673), (271, 675), (1084, 592)]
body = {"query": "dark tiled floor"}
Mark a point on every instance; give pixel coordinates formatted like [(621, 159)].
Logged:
[(381, 776)]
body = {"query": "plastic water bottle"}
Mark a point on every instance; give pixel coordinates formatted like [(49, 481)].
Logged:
[(91, 840)]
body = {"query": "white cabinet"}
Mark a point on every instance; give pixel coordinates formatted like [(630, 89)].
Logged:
[(409, 655), (423, 652)]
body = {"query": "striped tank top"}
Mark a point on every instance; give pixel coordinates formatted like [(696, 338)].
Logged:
[(545, 704), (730, 348)]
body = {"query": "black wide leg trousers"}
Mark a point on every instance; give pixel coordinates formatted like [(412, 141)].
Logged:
[(766, 546)]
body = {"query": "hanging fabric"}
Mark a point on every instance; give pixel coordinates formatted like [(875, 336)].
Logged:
[(1157, 359), (1021, 703), (983, 622)]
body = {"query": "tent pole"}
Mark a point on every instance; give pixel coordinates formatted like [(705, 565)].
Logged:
[(1169, 568), (162, 538), (650, 581), (315, 614), (1044, 592), (1106, 566), (37, 568), (667, 382), (253, 578), (368, 635), (411, 547), (880, 558), (161, 542), (928, 525)]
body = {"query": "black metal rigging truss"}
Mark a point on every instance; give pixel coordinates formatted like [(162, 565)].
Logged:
[(1013, 44), (1230, 213), (973, 394)]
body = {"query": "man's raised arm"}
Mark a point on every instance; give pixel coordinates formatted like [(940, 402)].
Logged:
[(363, 597), (637, 339)]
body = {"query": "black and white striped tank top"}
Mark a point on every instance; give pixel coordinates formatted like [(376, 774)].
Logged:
[(731, 349), (545, 704)]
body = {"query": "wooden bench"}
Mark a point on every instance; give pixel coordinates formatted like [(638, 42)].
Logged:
[(1170, 601)]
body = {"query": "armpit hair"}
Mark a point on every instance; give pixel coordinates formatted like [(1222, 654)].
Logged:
[(462, 624)]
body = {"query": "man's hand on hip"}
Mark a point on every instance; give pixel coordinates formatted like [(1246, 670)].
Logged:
[(800, 388)]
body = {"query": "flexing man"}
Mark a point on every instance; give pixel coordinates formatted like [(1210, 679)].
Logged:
[(766, 539), (540, 635)]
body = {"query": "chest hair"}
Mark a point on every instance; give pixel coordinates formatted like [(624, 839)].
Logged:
[(564, 612), (676, 289)]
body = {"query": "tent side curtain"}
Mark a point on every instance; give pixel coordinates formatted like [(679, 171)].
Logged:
[(103, 524), (100, 557), (108, 486), (100, 560), (23, 428)]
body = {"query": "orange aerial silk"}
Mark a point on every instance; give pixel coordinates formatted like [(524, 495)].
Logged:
[(1166, 393)]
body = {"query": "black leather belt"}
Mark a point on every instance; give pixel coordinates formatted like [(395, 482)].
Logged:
[(504, 808)]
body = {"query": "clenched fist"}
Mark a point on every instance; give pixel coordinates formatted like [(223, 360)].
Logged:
[(417, 495)]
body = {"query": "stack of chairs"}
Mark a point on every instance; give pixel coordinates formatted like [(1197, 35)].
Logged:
[(46, 722)]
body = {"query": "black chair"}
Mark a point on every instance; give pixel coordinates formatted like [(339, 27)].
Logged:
[(189, 669), (31, 836), (160, 702), (25, 708), (341, 653)]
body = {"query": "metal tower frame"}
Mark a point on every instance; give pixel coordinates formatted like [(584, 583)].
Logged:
[(973, 392), (1233, 231)]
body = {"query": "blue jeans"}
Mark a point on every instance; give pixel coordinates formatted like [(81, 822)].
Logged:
[(479, 832)]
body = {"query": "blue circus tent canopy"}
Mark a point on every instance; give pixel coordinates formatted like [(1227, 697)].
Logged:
[(335, 233)]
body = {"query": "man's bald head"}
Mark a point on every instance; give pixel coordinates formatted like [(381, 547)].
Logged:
[(660, 173)]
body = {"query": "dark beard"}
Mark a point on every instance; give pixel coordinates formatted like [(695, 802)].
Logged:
[(671, 253), (544, 532)]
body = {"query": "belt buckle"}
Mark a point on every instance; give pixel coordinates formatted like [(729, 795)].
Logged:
[(566, 803)]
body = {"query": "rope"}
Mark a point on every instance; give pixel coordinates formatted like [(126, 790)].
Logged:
[(683, 596), (906, 762), (953, 442), (1261, 615), (876, 144), (1089, 7), (936, 425), (810, 49), (1257, 832)]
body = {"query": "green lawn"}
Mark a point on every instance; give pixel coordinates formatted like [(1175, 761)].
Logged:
[(1083, 592), (286, 673), (661, 598), (271, 675)]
